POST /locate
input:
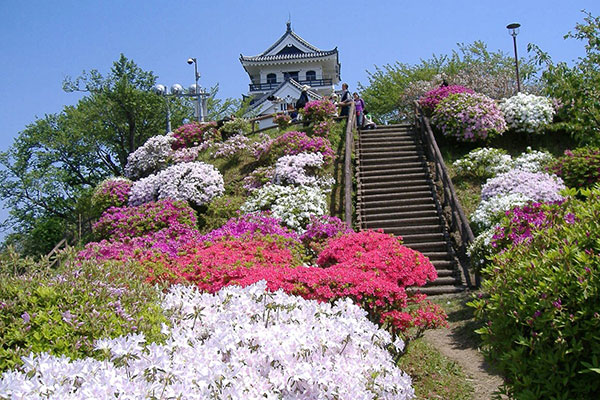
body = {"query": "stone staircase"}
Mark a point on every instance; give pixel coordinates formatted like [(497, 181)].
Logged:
[(395, 193)]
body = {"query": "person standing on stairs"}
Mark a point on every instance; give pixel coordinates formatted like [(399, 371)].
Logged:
[(345, 101), (360, 109)]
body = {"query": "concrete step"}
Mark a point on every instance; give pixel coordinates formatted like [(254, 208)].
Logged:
[(388, 147), (371, 206), (410, 239), (389, 171), (413, 230), (398, 160), (438, 255), (432, 212), (429, 246), (395, 195), (437, 290), (401, 222), (444, 264), (393, 141), (421, 190), (403, 208), (395, 181), (393, 155)]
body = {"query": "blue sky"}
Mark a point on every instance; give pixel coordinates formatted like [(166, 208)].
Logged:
[(45, 41)]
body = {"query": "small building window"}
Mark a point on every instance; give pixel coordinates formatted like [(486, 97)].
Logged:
[(271, 78), (291, 75), (311, 76)]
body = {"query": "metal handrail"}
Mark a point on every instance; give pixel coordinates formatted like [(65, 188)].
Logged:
[(458, 221)]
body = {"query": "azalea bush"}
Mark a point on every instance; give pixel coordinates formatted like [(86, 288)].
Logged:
[(281, 120), (318, 110), (195, 182), (250, 225), (194, 134), (298, 169), (293, 205), (432, 98), (578, 168), (63, 312), (258, 178), (527, 112), (237, 126), (292, 143), (533, 161), (322, 128), (332, 351), (468, 117), (483, 163), (540, 304), (232, 148), (111, 192), (538, 186), (155, 154), (128, 222), (320, 229)]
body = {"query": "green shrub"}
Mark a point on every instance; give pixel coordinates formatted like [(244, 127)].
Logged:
[(541, 306), (578, 168), (63, 312)]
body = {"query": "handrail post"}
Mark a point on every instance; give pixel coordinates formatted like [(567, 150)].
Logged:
[(348, 165)]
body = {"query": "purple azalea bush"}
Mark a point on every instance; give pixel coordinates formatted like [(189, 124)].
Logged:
[(537, 186), (468, 117), (111, 192), (248, 225)]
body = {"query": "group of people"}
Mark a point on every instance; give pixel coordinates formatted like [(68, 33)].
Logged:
[(363, 119)]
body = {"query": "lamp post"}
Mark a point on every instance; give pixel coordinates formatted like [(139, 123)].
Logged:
[(513, 30), (197, 90)]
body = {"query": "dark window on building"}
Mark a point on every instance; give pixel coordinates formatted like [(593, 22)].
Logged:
[(311, 76), (291, 75), (271, 78)]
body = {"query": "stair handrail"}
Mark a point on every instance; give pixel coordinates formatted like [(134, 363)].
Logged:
[(459, 222), (350, 126)]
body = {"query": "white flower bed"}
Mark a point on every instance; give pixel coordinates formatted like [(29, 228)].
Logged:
[(237, 344), (483, 163), (154, 155), (293, 169), (527, 112), (293, 205), (195, 182)]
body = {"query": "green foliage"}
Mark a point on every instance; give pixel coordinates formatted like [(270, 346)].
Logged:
[(237, 126), (577, 87), (393, 88), (579, 168), (64, 312), (541, 304), (219, 211)]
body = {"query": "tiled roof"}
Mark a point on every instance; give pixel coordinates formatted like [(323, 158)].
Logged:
[(296, 56), (293, 83)]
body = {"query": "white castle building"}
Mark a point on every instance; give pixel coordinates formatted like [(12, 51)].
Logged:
[(278, 74)]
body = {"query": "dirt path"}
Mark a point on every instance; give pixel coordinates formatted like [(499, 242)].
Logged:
[(459, 343)]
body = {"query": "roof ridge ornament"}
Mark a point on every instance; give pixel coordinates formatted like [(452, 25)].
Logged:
[(289, 26)]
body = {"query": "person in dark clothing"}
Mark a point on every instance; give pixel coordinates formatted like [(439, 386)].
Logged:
[(301, 102), (345, 101)]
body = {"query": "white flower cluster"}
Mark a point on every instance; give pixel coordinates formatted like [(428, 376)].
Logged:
[(488, 162), (490, 211), (296, 169), (155, 154), (293, 205), (195, 182), (232, 147), (481, 248), (483, 163), (237, 344), (533, 161), (188, 154), (527, 112)]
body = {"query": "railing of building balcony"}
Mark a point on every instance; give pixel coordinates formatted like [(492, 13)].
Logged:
[(261, 87)]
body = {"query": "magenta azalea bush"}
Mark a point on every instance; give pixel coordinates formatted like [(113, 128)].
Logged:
[(431, 99), (468, 117), (111, 192), (318, 110), (193, 134), (320, 229), (121, 222), (248, 225)]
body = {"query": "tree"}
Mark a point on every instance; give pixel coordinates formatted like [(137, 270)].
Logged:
[(49, 171), (578, 87), (393, 89)]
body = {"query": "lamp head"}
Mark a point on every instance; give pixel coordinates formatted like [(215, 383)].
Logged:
[(513, 29), (159, 89), (191, 60), (177, 89)]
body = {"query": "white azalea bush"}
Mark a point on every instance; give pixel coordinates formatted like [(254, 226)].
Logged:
[(293, 205), (298, 169), (231, 148), (490, 211), (527, 112), (533, 161), (154, 155), (240, 343), (195, 182), (483, 163)]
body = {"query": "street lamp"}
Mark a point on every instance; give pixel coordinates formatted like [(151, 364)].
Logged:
[(197, 90), (513, 30)]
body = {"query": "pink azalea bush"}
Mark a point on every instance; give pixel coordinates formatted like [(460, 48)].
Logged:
[(281, 120), (432, 98), (318, 110), (468, 117), (129, 222), (111, 192), (292, 143), (193, 134)]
